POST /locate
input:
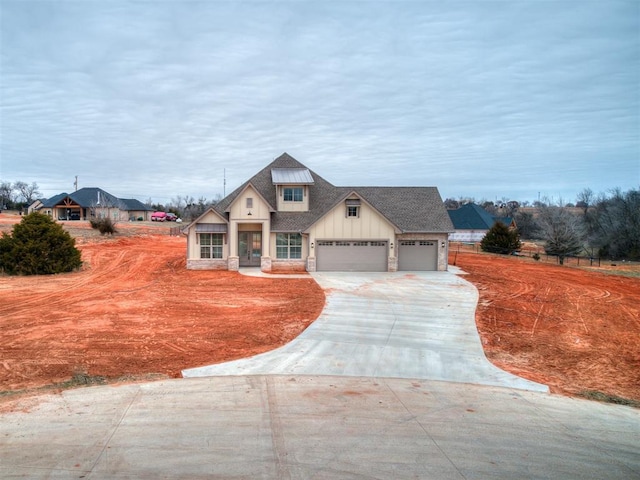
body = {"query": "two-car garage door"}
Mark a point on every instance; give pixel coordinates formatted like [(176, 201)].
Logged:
[(371, 256), (351, 256)]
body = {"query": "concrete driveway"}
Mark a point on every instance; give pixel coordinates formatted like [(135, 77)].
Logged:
[(396, 325)]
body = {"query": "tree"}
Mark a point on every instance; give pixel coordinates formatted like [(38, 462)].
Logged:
[(614, 225), (6, 194), (500, 239), (527, 226), (38, 246), (562, 231), (28, 192), (585, 199)]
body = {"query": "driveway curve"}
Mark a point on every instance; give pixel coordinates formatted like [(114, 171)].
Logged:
[(418, 325)]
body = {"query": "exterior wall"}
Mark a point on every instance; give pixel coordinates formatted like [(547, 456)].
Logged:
[(302, 206), (207, 264), (442, 240), (287, 266), (370, 225), (467, 235)]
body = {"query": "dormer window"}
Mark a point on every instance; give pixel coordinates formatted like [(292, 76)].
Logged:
[(293, 194), (353, 208)]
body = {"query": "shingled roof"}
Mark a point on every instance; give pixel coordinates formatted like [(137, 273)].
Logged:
[(409, 209), (91, 197), (473, 217)]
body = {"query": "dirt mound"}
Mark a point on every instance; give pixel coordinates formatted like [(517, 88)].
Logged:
[(573, 329)]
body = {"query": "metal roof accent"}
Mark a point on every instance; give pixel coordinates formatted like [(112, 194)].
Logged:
[(211, 228), (291, 176)]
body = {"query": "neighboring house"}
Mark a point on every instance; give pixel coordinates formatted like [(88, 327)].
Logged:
[(36, 205), (287, 217), (88, 203), (472, 222)]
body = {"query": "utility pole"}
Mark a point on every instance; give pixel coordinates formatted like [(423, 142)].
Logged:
[(75, 184), (224, 183)]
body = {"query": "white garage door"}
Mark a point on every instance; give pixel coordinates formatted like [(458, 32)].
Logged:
[(351, 256), (418, 255)]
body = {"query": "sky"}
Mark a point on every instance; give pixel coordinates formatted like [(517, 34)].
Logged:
[(515, 100)]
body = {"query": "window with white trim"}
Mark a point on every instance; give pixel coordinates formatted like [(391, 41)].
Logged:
[(353, 211), (210, 245), (293, 194), (288, 245)]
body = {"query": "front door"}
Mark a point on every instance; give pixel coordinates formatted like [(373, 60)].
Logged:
[(250, 248)]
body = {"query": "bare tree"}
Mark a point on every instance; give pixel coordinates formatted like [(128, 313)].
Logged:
[(585, 199), (562, 231), (28, 192), (614, 224), (6, 194)]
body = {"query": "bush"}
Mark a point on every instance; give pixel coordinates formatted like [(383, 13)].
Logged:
[(500, 239), (103, 225), (536, 256), (38, 246)]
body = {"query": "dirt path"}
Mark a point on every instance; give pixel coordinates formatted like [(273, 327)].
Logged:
[(135, 310), (572, 329)]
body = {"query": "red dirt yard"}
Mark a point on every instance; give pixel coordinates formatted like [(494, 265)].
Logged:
[(573, 329), (135, 310)]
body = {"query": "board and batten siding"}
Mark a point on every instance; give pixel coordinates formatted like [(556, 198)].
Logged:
[(369, 225)]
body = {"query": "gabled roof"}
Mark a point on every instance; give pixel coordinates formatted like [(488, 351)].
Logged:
[(272, 208), (134, 204), (409, 209), (412, 209), (473, 217), (204, 214), (91, 197)]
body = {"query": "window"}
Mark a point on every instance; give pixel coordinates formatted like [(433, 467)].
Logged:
[(288, 245), (249, 202), (210, 245), (353, 207), (293, 194)]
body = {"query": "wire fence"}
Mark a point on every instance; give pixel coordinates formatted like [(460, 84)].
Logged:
[(534, 252)]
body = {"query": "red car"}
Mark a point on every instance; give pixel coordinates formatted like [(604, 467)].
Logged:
[(158, 217)]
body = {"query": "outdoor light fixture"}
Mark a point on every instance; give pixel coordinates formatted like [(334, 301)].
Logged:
[(311, 244), (391, 245), (442, 244)]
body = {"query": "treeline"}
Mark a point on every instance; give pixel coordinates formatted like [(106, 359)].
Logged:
[(18, 195), (187, 207), (605, 225)]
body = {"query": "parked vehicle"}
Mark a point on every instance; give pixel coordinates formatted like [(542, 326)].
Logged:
[(171, 217), (158, 217)]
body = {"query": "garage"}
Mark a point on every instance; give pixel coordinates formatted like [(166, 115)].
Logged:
[(418, 255), (351, 256)]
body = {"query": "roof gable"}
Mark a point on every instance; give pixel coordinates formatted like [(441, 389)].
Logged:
[(409, 209), (472, 217)]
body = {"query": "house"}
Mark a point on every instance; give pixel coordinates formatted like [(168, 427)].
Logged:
[(88, 203), (472, 222), (289, 218)]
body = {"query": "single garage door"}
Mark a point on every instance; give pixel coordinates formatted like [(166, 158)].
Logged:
[(418, 255), (351, 256)]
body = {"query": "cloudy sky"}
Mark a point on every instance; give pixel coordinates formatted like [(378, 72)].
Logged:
[(484, 99)]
